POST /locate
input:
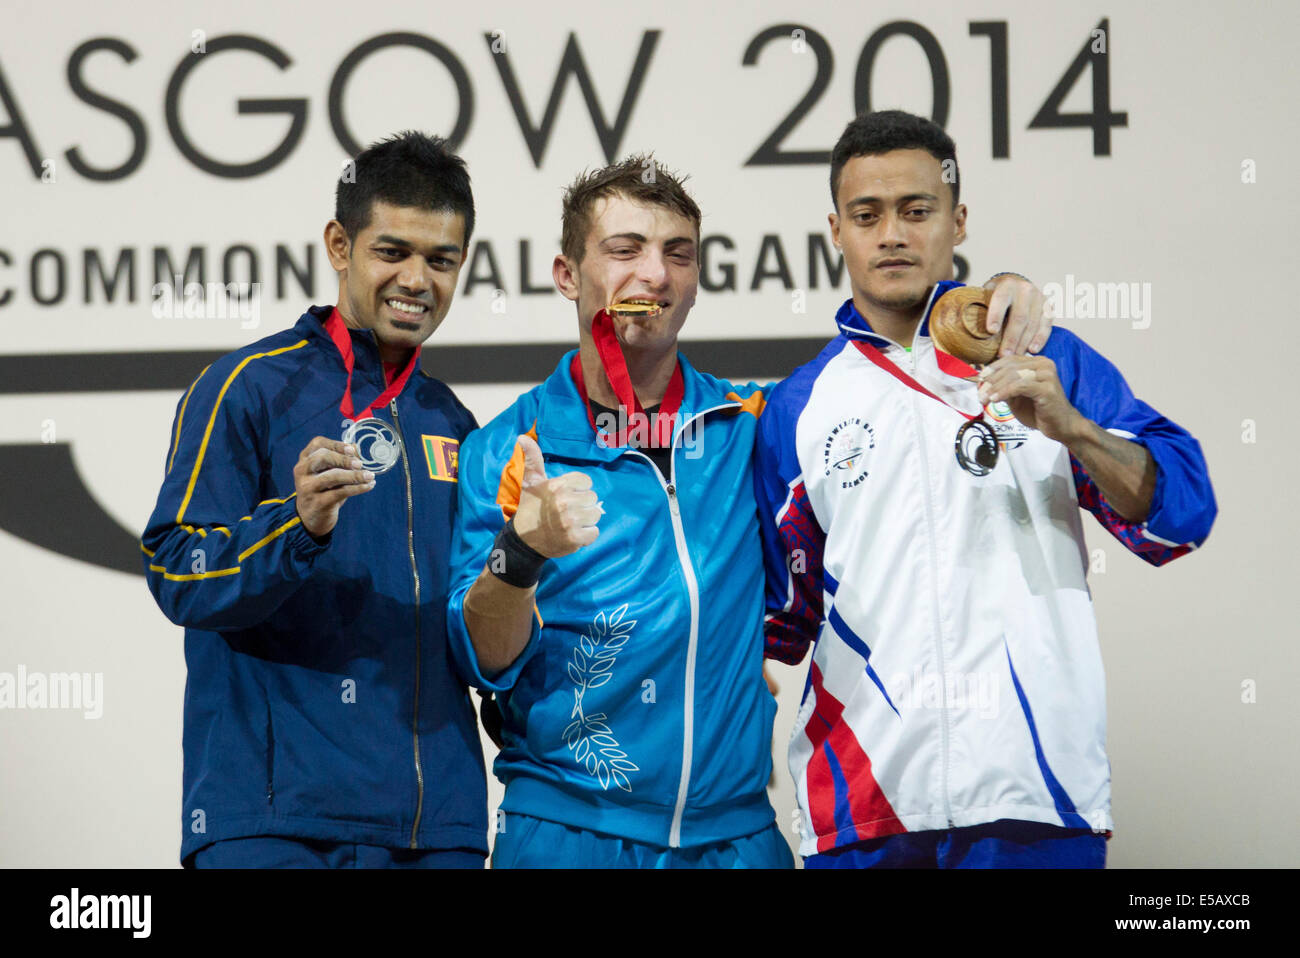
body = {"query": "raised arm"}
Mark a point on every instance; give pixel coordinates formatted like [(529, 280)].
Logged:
[(507, 534), (1141, 474)]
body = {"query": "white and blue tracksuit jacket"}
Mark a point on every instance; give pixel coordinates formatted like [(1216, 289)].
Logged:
[(638, 708), (956, 677)]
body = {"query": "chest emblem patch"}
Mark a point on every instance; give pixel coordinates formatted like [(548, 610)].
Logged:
[(846, 451)]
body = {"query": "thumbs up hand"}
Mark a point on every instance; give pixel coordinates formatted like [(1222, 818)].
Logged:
[(556, 516)]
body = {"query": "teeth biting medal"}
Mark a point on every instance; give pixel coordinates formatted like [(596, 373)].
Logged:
[(635, 307)]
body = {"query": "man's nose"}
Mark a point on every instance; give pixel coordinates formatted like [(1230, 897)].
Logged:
[(653, 269), (415, 275), (892, 232)]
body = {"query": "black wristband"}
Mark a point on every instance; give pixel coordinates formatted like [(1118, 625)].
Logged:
[(513, 561)]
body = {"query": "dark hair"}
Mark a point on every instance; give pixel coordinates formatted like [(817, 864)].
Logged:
[(639, 177), (884, 131), (408, 169)]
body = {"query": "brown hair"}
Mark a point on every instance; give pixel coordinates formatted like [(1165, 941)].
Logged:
[(639, 177)]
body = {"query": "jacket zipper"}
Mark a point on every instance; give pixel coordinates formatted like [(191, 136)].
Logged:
[(934, 604), (270, 757), (415, 575), (693, 593)]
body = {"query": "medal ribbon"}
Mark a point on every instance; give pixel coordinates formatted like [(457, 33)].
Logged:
[(950, 365), (338, 331), (986, 454), (615, 366)]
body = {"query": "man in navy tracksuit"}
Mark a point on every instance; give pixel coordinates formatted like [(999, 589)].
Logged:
[(325, 724)]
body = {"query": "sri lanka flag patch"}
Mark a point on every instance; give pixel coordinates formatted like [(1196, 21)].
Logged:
[(442, 455)]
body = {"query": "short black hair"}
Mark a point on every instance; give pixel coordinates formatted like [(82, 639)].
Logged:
[(407, 169), (870, 134)]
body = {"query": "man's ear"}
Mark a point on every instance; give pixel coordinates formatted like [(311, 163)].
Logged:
[(565, 275), (834, 221), (338, 247), (959, 217)]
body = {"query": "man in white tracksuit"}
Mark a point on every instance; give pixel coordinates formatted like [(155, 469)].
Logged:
[(921, 526)]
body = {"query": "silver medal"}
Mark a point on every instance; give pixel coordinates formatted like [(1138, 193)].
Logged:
[(377, 443)]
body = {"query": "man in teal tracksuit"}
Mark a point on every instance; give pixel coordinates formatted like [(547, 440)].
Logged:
[(616, 614)]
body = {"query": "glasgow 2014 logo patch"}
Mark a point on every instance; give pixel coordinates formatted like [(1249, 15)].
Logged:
[(1010, 431), (443, 456), (844, 454)]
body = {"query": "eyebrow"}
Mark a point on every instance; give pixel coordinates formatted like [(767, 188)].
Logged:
[(638, 238), (387, 239), (868, 200)]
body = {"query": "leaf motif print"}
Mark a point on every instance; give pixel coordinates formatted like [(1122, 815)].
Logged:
[(589, 737)]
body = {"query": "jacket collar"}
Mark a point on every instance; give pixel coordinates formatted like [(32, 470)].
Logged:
[(562, 424), (365, 348), (855, 326)]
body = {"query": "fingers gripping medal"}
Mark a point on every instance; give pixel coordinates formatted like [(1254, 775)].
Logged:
[(378, 446)]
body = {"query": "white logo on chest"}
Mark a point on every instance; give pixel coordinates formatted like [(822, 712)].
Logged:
[(845, 452)]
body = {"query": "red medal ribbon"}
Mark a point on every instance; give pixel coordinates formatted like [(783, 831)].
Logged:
[(615, 366), (338, 331), (953, 366), (947, 364)]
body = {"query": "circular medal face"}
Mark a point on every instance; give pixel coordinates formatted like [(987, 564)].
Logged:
[(977, 447), (378, 445)]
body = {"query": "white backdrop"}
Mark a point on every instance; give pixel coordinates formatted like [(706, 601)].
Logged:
[(1193, 195)]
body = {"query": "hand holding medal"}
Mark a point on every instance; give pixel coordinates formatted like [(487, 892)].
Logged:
[(1032, 388), (327, 473), (1028, 384), (959, 328)]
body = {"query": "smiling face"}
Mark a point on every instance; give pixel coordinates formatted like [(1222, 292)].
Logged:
[(635, 251), (897, 225), (397, 276)]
